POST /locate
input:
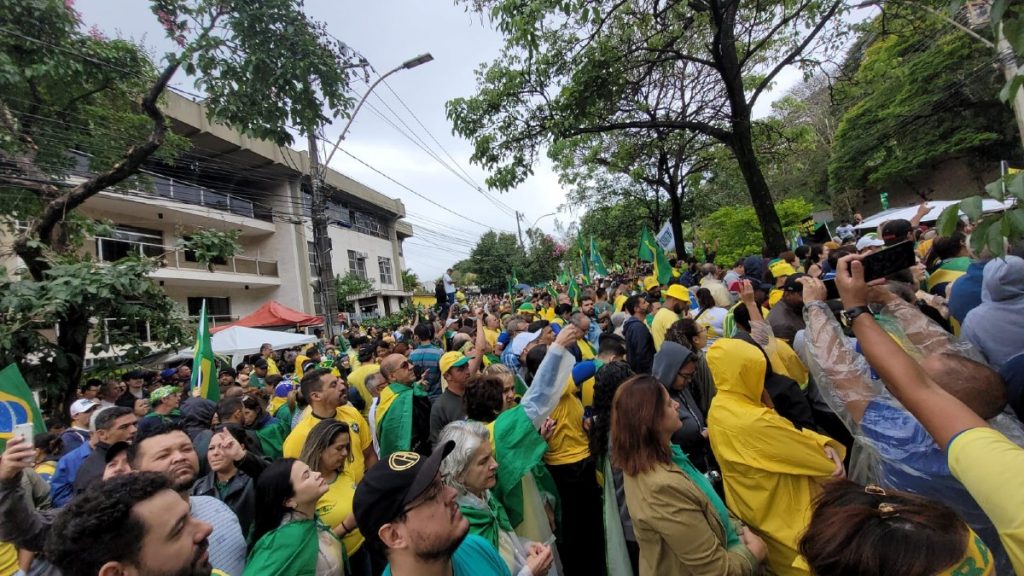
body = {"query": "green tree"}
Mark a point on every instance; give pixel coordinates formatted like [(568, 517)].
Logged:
[(913, 103), (734, 228), (616, 229), (542, 259), (62, 88), (349, 285), (410, 281), (592, 66), (493, 258)]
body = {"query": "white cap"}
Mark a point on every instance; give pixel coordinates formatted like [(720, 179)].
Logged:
[(870, 240), (522, 339), (82, 405)]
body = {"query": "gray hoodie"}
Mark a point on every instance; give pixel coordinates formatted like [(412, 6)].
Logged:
[(667, 362), (996, 326)]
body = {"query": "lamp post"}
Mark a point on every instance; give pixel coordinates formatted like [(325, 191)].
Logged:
[(407, 65), (318, 171), (541, 218)]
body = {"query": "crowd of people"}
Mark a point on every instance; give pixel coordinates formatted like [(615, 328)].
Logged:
[(736, 420)]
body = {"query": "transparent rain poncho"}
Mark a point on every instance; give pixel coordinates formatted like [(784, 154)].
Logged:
[(891, 447)]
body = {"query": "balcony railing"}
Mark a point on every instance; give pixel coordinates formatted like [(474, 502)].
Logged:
[(112, 249), (192, 194)]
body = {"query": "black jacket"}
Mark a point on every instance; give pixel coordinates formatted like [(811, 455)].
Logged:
[(92, 468), (639, 345), (240, 496)]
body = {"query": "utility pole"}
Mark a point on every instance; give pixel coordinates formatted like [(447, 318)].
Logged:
[(322, 241), (519, 216)]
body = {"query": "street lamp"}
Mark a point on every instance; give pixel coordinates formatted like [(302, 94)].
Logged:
[(541, 218), (407, 65)]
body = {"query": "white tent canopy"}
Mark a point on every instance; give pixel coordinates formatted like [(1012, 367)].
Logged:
[(937, 207), (239, 341)]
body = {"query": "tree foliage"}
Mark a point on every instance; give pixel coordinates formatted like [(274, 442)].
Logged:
[(923, 92), (578, 67), (735, 228), (262, 65), (494, 258), (410, 281), (349, 285)]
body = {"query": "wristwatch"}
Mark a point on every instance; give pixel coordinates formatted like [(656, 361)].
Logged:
[(851, 314)]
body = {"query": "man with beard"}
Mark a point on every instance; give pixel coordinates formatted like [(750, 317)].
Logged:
[(403, 413), (133, 524), (402, 506), (166, 449), (677, 301)]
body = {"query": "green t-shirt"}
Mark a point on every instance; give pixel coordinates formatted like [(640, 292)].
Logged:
[(474, 557)]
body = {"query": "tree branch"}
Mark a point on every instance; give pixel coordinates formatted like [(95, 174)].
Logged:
[(795, 53), (722, 135), (53, 213)]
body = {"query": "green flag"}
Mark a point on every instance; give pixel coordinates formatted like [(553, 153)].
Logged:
[(204, 371), (553, 293), (662, 269), (574, 291), (596, 260), (584, 263), (17, 406), (563, 278), (647, 246)]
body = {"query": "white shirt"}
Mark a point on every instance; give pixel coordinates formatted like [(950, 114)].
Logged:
[(373, 425), (449, 287)]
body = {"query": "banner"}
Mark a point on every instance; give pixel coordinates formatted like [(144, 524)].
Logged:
[(204, 367)]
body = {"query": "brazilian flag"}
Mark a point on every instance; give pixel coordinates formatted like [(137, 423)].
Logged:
[(596, 260), (17, 405), (204, 371)]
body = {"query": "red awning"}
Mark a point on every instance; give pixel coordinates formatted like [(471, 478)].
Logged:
[(274, 315)]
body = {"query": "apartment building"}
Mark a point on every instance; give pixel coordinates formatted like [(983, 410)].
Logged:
[(228, 181)]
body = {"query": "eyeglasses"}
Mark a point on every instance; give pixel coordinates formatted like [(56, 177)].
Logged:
[(687, 376), (432, 493), (406, 365)]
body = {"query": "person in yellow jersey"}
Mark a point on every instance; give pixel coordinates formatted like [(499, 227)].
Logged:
[(328, 451), (621, 295), (267, 352), (563, 312), (357, 378), (677, 302), (780, 270), (771, 471), (568, 460), (327, 397)]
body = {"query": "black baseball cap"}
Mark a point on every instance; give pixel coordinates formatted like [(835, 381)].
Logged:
[(392, 484), (115, 449), (791, 284), (895, 231)]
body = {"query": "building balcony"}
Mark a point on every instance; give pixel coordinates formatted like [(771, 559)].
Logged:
[(178, 267)]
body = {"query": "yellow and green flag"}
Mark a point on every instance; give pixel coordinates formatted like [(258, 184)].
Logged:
[(204, 368), (17, 405), (648, 246), (574, 291)]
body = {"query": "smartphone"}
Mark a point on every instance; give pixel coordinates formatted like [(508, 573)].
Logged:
[(26, 431), (881, 264)]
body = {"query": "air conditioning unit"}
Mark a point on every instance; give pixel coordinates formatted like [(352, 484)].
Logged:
[(362, 255)]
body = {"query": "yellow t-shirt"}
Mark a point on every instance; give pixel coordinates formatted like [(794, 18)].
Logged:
[(334, 506), (547, 313), (661, 323), (620, 300), (987, 463), (492, 337), (272, 367), (359, 432), (569, 442), (357, 380), (8, 559), (586, 350)]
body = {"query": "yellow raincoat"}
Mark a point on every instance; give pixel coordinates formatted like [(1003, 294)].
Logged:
[(771, 470)]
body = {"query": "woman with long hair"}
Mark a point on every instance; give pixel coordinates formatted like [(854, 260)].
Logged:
[(618, 526), (681, 524), (675, 366), (710, 316), (289, 537), (270, 431), (328, 450), (862, 531), (472, 471)]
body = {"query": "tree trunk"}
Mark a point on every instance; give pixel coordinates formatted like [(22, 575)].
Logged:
[(757, 187), (72, 339), (676, 222)]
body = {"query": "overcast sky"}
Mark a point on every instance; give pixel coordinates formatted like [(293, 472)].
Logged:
[(388, 32)]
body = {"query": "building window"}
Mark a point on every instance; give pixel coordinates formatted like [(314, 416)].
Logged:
[(369, 224), (127, 241), (217, 309), (311, 253), (385, 270), (357, 263)]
